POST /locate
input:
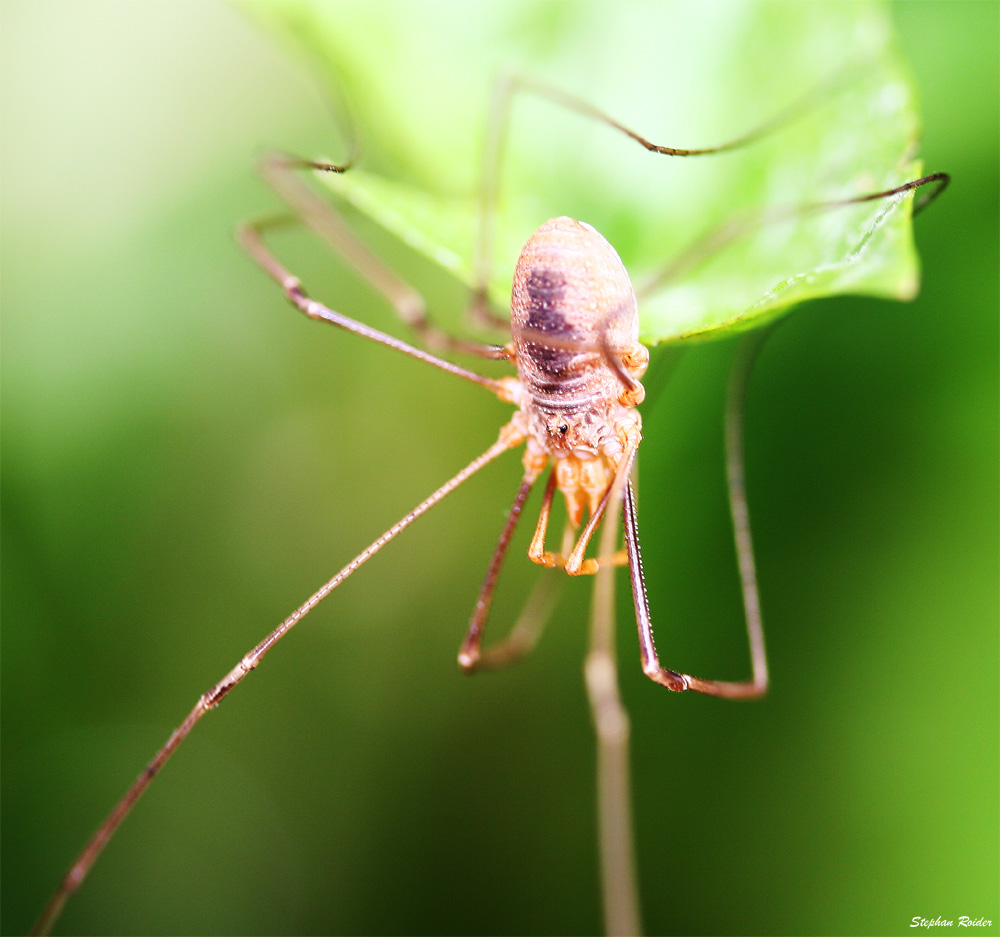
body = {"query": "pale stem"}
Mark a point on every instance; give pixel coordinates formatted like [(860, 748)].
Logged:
[(619, 886)]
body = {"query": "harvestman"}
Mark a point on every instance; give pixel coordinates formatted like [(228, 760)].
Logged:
[(574, 343)]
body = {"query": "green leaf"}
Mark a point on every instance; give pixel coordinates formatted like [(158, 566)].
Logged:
[(418, 79)]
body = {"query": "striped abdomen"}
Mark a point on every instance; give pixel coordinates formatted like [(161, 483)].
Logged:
[(571, 288)]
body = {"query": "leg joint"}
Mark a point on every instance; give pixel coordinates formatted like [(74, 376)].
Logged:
[(678, 682)]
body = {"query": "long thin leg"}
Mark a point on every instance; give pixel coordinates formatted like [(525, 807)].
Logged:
[(750, 689), (705, 247), (496, 143), (468, 655), (493, 152), (530, 623), (736, 398), (250, 237), (735, 409), (319, 215), (527, 629), (586, 109), (619, 884), (509, 437)]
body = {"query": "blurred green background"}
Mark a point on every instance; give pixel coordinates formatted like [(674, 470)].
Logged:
[(184, 459)]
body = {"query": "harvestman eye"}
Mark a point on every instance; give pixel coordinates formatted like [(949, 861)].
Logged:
[(574, 329)]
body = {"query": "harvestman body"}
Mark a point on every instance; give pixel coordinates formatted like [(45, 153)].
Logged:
[(574, 327), (575, 330), (574, 342)]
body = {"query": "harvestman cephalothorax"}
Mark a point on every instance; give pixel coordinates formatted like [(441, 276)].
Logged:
[(574, 344)]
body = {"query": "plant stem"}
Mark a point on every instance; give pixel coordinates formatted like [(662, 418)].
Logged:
[(619, 886)]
